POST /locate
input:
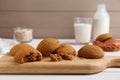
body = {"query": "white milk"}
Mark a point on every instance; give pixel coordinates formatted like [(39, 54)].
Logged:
[(82, 32), (100, 26)]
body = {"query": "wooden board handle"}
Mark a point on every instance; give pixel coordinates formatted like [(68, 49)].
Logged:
[(115, 61)]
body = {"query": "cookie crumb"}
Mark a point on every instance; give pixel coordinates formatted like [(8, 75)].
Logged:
[(55, 57)]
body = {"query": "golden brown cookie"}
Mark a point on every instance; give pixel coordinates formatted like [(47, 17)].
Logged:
[(17, 47), (26, 54), (47, 46), (65, 49), (91, 52), (104, 37)]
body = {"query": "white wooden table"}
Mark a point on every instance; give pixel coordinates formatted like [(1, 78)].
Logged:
[(107, 74)]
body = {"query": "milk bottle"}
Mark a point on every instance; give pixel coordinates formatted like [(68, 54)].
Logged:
[(101, 21)]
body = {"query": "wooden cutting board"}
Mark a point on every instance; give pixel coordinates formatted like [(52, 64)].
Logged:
[(76, 66)]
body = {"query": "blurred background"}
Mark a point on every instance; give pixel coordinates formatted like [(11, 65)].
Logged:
[(52, 18)]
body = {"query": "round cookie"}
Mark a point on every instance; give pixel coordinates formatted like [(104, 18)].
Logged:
[(65, 49), (104, 37), (27, 55), (17, 47), (47, 46), (91, 52)]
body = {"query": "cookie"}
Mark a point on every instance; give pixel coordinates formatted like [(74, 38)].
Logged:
[(65, 49), (91, 52), (104, 37), (17, 47), (47, 46), (27, 54), (66, 56)]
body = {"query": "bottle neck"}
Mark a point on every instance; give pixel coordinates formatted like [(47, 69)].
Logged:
[(101, 8)]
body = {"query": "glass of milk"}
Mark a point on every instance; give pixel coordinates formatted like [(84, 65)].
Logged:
[(82, 29)]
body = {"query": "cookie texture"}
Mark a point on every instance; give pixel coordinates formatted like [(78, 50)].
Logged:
[(27, 54), (47, 46), (91, 52), (65, 49), (61, 56), (66, 56), (55, 57), (104, 37)]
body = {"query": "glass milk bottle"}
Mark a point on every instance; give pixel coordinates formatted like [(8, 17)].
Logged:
[(101, 21), (82, 29)]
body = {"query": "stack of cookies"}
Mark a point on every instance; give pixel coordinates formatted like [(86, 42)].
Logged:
[(107, 42), (52, 48)]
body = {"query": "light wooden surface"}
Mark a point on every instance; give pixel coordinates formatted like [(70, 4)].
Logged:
[(52, 18), (76, 66)]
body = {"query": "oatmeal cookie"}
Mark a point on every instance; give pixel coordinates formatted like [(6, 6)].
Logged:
[(65, 49), (47, 46), (27, 55), (104, 37), (17, 47), (91, 52)]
